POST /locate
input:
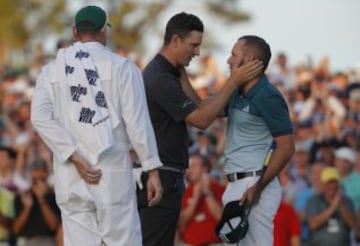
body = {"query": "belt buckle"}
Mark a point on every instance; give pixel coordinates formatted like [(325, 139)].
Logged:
[(235, 177)]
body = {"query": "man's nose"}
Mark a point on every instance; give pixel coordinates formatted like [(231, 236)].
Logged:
[(197, 51)]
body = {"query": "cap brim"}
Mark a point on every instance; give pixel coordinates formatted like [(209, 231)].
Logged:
[(232, 232)]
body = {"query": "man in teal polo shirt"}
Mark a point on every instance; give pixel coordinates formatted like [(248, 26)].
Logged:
[(257, 116)]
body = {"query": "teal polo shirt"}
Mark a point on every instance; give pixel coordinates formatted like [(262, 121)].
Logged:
[(351, 186), (254, 119)]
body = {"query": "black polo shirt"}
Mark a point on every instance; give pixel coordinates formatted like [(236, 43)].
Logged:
[(168, 107), (36, 224)]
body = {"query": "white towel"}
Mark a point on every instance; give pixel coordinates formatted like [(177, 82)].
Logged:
[(137, 173), (90, 118)]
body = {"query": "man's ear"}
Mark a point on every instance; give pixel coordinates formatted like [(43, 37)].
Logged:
[(103, 32), (175, 40), (75, 33), (249, 58)]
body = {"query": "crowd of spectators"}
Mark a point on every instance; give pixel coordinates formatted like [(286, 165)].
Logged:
[(325, 111)]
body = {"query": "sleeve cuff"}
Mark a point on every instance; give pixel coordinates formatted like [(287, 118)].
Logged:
[(151, 164), (66, 154)]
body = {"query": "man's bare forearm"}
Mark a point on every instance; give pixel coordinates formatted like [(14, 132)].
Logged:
[(280, 157), (209, 110)]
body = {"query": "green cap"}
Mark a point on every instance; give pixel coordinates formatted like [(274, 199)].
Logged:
[(91, 18)]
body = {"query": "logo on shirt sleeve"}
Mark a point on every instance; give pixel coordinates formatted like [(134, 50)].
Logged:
[(187, 103), (246, 109)]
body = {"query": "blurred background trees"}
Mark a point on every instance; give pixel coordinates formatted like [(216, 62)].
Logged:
[(26, 23), (22, 20)]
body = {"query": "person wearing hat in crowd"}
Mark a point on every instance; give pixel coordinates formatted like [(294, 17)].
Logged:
[(173, 103), (258, 120), (330, 214), (37, 217), (88, 106), (345, 159)]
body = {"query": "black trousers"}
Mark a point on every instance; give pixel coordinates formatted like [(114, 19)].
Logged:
[(158, 224)]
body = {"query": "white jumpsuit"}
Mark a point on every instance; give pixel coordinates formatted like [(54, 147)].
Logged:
[(105, 213)]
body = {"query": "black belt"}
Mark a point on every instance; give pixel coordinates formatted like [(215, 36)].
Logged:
[(236, 176), (172, 169)]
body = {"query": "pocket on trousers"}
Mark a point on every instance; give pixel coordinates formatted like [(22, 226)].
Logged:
[(72, 193)]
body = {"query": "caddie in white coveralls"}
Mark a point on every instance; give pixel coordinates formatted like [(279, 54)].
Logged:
[(89, 106)]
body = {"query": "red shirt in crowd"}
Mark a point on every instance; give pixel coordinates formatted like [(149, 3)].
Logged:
[(286, 225), (200, 229)]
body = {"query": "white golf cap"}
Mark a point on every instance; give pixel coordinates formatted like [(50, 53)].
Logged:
[(346, 153)]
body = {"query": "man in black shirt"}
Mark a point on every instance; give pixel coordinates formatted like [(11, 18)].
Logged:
[(172, 103), (37, 217)]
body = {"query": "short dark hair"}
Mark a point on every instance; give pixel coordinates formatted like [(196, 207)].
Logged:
[(205, 162), (39, 163), (182, 24), (10, 151), (257, 47)]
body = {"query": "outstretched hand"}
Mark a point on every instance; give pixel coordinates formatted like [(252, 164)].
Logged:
[(154, 188)]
